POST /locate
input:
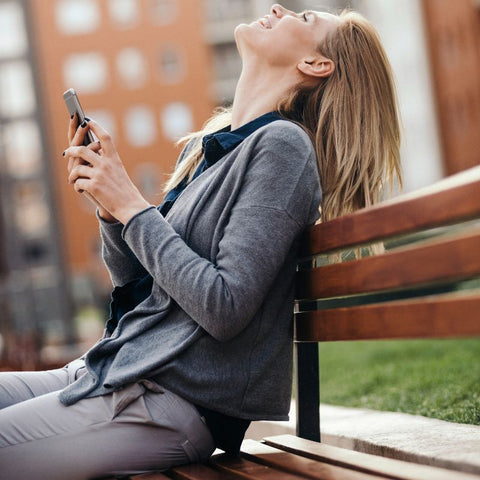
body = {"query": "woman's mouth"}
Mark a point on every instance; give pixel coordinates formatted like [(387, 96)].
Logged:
[(265, 22)]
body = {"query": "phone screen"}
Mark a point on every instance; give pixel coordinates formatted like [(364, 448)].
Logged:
[(73, 106)]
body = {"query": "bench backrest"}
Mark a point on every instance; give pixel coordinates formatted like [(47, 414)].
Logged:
[(426, 284)]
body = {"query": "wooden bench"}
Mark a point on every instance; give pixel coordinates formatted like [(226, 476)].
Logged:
[(421, 287)]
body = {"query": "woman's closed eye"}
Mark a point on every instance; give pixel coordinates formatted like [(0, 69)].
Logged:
[(304, 16)]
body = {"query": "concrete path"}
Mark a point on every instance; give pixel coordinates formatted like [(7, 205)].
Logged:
[(395, 435)]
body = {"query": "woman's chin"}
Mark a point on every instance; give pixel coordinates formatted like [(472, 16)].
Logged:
[(241, 34), (246, 34), (240, 30)]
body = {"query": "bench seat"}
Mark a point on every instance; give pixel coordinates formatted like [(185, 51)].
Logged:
[(287, 457)]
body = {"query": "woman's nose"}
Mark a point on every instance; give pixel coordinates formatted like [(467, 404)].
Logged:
[(279, 11)]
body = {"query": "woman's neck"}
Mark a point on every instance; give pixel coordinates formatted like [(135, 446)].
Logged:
[(258, 92)]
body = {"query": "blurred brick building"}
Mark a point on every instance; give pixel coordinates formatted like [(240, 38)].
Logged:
[(143, 70), (34, 296)]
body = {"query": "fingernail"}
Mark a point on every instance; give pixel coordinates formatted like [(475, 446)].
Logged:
[(87, 119), (63, 154), (84, 124), (71, 116)]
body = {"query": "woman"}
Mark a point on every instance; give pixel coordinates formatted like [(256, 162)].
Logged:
[(200, 338)]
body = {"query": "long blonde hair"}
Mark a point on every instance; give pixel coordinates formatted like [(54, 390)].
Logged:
[(351, 117)]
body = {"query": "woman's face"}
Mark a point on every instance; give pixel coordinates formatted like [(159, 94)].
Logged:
[(282, 36)]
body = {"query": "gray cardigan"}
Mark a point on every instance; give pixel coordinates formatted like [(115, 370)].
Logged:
[(217, 327)]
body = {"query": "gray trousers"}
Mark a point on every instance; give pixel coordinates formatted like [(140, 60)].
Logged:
[(141, 428)]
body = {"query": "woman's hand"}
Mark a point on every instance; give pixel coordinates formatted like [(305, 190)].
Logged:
[(76, 140), (98, 171)]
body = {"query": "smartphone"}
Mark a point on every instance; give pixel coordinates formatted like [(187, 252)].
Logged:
[(73, 106)]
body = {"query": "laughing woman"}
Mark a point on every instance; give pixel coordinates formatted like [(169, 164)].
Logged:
[(199, 342)]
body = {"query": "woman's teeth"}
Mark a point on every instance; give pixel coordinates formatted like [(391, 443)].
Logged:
[(264, 23)]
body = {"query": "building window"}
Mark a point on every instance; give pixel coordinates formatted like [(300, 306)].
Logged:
[(147, 178), (124, 13), (86, 72), (77, 17), (36, 250), (17, 95), (228, 10), (32, 214), (140, 126), (132, 67), (177, 120), (227, 61), (23, 158), (13, 37), (172, 65), (163, 12)]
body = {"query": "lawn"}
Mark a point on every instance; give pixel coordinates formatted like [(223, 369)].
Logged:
[(434, 378)]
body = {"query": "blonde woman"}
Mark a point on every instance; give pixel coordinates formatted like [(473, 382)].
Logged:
[(199, 342)]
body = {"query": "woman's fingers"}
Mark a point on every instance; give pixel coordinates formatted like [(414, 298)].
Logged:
[(72, 128), (95, 146), (85, 153), (74, 161), (81, 186), (80, 171), (80, 133), (103, 136)]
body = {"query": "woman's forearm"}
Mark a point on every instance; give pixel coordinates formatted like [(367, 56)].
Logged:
[(119, 259)]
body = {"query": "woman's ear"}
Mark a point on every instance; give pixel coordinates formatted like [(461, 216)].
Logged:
[(316, 66)]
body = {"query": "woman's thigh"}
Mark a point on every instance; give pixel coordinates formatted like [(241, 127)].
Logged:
[(17, 387), (132, 431)]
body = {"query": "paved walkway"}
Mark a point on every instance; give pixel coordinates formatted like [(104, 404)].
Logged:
[(396, 435)]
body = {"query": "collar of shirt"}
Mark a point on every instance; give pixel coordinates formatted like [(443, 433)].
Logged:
[(216, 145)]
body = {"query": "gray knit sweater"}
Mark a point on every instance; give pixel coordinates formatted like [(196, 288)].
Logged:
[(217, 327)]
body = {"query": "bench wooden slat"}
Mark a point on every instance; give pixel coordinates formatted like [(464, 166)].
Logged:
[(146, 476), (251, 470), (456, 198), (198, 471), (433, 261), (390, 468), (289, 462), (447, 315)]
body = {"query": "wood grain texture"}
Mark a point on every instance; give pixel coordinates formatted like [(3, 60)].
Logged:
[(251, 470), (197, 471), (387, 467), (448, 315), (454, 199), (144, 476), (433, 261), (299, 465)]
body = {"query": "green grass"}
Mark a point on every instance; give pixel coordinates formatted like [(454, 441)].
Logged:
[(434, 378)]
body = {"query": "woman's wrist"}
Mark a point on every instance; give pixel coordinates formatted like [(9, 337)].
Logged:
[(106, 216), (125, 214)]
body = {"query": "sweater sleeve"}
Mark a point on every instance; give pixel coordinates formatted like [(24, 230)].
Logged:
[(279, 186), (121, 262)]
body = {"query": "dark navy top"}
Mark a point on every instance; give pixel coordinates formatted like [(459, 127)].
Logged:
[(214, 147), (227, 431)]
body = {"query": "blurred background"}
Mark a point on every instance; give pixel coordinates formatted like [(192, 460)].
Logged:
[(150, 71)]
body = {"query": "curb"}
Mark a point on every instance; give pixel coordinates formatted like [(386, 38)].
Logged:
[(401, 436)]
